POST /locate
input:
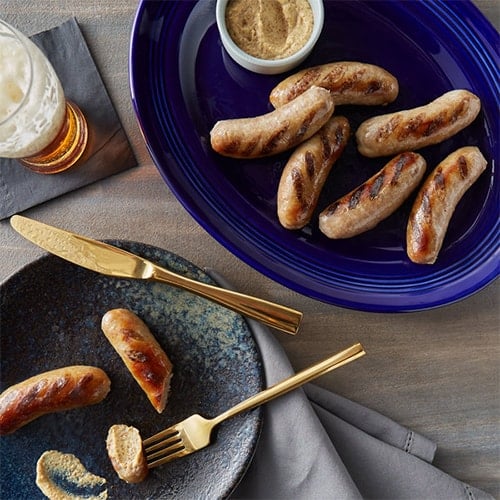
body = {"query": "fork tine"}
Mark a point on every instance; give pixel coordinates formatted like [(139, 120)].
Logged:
[(164, 446), (165, 433), (171, 455), (169, 440), (167, 451)]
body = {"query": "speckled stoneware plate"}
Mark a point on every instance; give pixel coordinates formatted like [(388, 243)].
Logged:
[(50, 317)]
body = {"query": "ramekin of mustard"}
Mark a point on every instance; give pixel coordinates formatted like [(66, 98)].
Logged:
[(269, 36)]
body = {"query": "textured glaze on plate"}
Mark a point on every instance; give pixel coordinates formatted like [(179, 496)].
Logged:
[(183, 82), (50, 317)]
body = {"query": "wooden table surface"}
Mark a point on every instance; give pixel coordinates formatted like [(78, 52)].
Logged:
[(436, 371)]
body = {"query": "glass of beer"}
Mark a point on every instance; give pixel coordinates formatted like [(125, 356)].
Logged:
[(38, 126)]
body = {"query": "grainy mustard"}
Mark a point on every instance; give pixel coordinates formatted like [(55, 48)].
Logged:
[(269, 29)]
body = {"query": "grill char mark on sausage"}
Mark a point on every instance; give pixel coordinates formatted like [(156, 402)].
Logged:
[(463, 167), (298, 184)]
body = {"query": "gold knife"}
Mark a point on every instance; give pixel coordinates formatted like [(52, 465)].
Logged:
[(113, 261)]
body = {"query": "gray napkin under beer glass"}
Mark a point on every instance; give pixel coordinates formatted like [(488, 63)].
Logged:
[(316, 445)]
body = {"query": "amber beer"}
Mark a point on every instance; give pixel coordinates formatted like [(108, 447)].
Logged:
[(38, 126)]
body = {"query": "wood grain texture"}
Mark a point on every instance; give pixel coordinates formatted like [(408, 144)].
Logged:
[(437, 372)]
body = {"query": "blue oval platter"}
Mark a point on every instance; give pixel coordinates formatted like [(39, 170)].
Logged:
[(182, 82)]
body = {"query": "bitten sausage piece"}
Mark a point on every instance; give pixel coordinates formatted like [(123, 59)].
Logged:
[(350, 82), (436, 201), (416, 128), (276, 131), (124, 446), (364, 207), (141, 353), (306, 171), (57, 390)]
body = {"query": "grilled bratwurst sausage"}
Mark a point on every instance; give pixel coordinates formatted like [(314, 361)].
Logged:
[(419, 127), (367, 205), (276, 131), (350, 82), (306, 171), (57, 390), (141, 353), (437, 200)]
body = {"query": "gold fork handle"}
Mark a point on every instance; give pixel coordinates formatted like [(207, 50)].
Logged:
[(301, 378), (277, 316)]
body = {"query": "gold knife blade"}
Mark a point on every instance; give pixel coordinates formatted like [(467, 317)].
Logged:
[(113, 261)]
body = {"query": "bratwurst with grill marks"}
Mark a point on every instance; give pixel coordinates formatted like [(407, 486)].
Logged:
[(436, 201), (52, 391), (273, 132), (416, 128), (350, 82), (373, 201), (306, 171)]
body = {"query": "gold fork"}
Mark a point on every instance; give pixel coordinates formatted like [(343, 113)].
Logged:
[(193, 433)]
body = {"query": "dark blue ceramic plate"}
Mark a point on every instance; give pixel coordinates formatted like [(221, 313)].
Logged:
[(50, 315), (182, 82)]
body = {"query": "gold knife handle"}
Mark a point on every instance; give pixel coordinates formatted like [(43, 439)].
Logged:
[(277, 316)]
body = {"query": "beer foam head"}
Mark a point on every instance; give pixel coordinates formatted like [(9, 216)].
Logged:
[(32, 104), (15, 74)]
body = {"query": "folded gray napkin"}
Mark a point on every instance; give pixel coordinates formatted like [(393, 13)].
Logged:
[(338, 449), (108, 152)]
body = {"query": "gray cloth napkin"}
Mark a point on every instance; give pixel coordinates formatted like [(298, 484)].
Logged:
[(318, 445), (108, 152)]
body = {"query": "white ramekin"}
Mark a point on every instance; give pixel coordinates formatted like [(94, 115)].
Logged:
[(268, 66)]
